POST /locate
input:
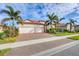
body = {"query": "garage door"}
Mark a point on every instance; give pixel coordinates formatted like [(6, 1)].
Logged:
[(31, 29)]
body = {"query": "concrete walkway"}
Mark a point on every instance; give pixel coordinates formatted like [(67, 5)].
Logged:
[(31, 42)]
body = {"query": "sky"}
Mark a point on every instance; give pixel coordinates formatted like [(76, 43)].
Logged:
[(39, 11)]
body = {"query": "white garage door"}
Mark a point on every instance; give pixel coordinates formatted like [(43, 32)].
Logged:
[(31, 29)]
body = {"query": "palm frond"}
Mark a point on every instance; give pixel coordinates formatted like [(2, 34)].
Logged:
[(11, 10), (52, 14), (5, 11), (19, 20), (49, 16), (62, 19), (6, 19), (55, 17), (17, 13)]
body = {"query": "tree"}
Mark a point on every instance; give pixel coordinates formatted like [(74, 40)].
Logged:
[(57, 21), (54, 19), (72, 23), (14, 16), (51, 18)]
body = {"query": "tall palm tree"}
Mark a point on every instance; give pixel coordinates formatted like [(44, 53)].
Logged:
[(54, 19), (50, 21), (72, 23), (14, 16)]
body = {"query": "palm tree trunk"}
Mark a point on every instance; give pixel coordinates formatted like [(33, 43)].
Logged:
[(70, 27), (13, 28)]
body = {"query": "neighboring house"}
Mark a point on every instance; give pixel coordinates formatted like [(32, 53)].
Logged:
[(32, 26), (76, 27), (68, 27), (59, 26), (63, 26)]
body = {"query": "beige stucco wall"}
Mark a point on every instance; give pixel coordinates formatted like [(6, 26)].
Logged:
[(68, 27)]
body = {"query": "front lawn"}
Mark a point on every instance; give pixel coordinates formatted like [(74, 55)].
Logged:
[(4, 51), (7, 40), (74, 37), (64, 33)]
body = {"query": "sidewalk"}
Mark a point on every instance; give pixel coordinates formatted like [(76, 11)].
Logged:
[(37, 48)]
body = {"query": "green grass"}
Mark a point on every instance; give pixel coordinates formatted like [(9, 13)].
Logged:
[(64, 33), (7, 40), (74, 37), (4, 51)]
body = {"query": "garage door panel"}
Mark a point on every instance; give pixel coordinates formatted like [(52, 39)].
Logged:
[(26, 30)]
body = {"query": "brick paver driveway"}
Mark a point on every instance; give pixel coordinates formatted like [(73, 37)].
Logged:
[(30, 36)]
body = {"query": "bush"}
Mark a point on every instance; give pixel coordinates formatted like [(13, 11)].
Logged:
[(77, 30), (11, 33), (16, 32), (2, 35), (51, 30), (8, 33)]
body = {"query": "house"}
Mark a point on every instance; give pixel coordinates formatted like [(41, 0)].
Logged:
[(77, 27), (32, 26), (63, 26), (72, 28)]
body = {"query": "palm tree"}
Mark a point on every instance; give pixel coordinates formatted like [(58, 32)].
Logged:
[(14, 16), (51, 18), (57, 21), (72, 23), (54, 19)]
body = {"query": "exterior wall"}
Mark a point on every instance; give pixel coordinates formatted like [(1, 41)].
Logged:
[(68, 27), (77, 28), (31, 28), (49, 26)]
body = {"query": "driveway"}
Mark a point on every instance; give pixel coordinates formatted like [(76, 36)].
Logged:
[(32, 36)]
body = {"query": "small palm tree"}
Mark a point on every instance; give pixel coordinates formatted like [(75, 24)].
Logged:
[(14, 16), (72, 23)]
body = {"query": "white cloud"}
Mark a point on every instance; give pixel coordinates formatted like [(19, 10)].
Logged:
[(63, 9), (60, 9)]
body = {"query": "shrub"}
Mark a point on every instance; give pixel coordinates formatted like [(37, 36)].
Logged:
[(16, 32), (8, 33), (2, 35), (11, 33), (51, 30), (77, 30)]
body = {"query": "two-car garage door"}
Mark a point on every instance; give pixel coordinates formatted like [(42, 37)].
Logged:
[(29, 28)]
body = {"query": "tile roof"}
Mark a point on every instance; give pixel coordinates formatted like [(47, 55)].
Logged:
[(40, 22)]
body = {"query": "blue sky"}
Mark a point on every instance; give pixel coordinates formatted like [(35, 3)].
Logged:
[(39, 11)]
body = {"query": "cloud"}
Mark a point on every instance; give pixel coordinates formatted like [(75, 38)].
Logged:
[(40, 11)]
